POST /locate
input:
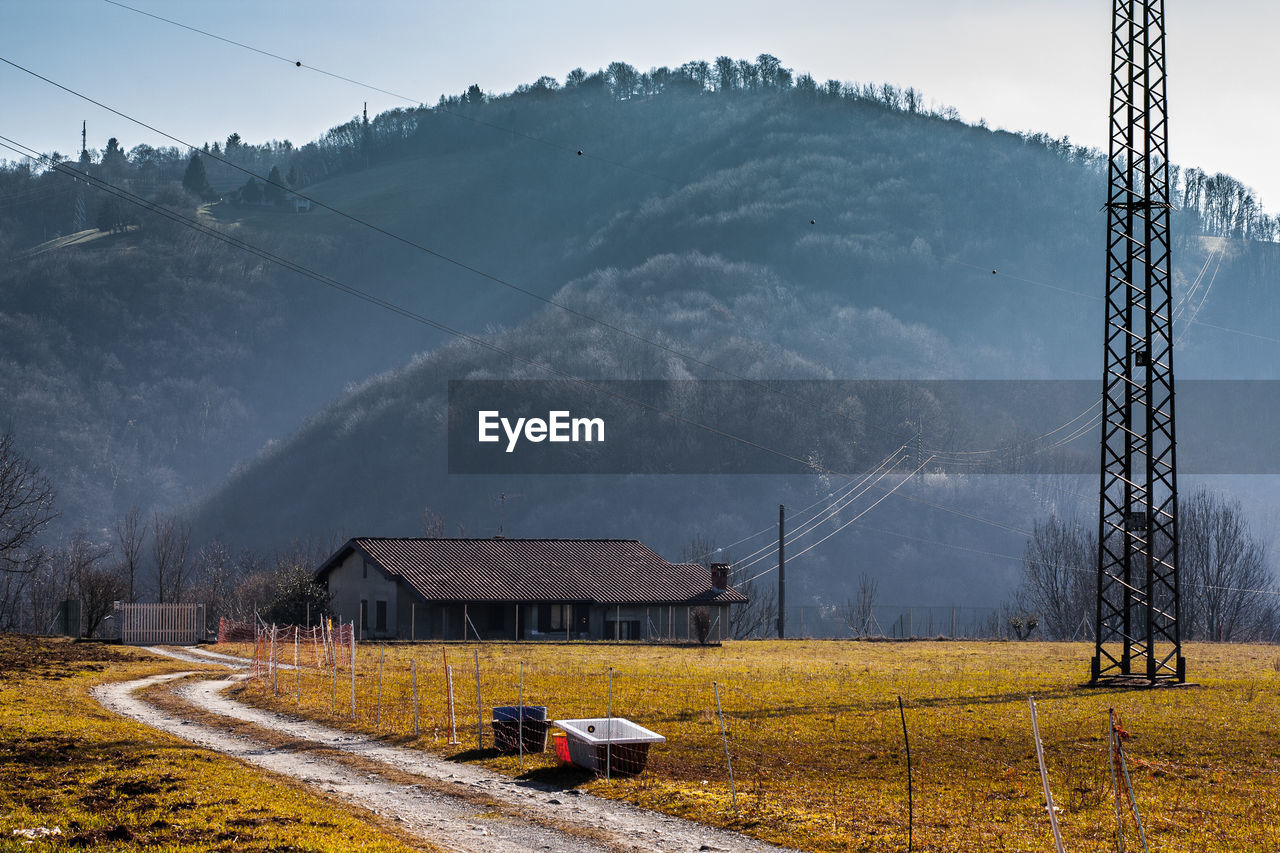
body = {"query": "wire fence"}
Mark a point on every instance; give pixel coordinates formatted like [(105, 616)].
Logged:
[(885, 621), (806, 737)]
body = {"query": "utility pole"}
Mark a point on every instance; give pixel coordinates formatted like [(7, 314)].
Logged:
[(782, 572), (1138, 602)]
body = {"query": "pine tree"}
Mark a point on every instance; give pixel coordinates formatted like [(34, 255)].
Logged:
[(272, 192), (196, 180)]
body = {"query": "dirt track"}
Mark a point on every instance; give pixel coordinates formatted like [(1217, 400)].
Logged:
[(537, 818)]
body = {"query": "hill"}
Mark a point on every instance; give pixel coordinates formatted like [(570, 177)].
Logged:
[(785, 231)]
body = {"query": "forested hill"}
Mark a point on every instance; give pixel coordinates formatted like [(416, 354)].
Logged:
[(759, 221)]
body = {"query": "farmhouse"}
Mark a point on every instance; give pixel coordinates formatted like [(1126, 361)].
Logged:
[(519, 589)]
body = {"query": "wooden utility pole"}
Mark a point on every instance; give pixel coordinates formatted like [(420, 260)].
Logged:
[(782, 572)]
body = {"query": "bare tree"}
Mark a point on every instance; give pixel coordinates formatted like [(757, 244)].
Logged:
[(757, 618), (130, 531), (169, 544), (1060, 578), (98, 584), (26, 504), (860, 611), (1227, 584)]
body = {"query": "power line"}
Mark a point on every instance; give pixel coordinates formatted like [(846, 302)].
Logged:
[(847, 523), (297, 63), (822, 515)]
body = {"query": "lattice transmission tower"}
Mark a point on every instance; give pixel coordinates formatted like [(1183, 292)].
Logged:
[(1138, 603)]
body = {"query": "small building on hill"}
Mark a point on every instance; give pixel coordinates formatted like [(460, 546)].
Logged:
[(523, 589)]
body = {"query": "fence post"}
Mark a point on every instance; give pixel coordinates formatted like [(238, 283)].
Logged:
[(297, 670), (353, 669), (520, 717), (453, 720), (608, 743), (413, 667), (911, 800), (1044, 778), (479, 706), (382, 656), (724, 736), (275, 670)]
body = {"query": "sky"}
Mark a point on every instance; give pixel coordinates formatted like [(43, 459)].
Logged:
[(1022, 65)]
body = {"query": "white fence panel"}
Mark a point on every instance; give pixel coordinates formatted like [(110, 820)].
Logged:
[(161, 624)]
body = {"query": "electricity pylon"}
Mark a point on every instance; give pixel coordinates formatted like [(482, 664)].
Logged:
[(1138, 636)]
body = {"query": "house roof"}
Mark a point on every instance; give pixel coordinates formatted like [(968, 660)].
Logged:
[(608, 571)]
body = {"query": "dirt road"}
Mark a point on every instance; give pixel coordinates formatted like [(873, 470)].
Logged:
[(532, 818)]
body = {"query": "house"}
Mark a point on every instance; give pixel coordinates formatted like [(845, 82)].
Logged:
[(520, 589)]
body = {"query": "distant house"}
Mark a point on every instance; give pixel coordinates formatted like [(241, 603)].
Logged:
[(298, 203), (520, 589)]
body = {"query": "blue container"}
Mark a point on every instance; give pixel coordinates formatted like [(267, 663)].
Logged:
[(516, 712)]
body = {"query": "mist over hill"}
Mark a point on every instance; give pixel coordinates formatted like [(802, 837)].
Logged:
[(775, 229)]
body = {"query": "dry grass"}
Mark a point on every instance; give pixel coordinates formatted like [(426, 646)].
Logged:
[(816, 739), (111, 784)]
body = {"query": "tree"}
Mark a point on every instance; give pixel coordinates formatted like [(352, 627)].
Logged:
[(297, 599), (26, 504), (114, 155), (769, 66), (130, 531), (98, 585), (622, 80), (860, 611), (1060, 579), (474, 95), (273, 190), (1226, 584), (251, 192), (196, 179), (169, 544), (726, 74)]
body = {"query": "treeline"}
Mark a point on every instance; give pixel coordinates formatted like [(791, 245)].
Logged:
[(34, 208), (1228, 588), (153, 559)]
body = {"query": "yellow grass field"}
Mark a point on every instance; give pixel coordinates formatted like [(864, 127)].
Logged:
[(99, 782), (816, 740)]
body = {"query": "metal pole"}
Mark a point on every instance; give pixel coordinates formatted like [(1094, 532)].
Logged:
[(724, 736), (353, 671), (911, 802), (413, 669), (1044, 779), (782, 572)]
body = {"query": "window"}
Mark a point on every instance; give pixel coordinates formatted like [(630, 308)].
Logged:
[(380, 616), (559, 617)]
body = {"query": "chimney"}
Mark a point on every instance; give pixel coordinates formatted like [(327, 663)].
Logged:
[(719, 575)]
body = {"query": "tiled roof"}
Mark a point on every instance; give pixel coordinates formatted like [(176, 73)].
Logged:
[(606, 571)]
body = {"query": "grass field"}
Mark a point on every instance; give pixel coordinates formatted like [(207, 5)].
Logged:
[(105, 783), (816, 740)]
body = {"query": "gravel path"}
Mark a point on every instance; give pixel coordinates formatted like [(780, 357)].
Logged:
[(589, 823)]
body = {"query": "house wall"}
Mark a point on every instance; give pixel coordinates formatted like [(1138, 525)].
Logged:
[(354, 581)]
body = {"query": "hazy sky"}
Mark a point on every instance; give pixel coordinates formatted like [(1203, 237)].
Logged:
[(1038, 65)]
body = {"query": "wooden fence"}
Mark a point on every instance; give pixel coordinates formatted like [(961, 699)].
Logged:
[(161, 624)]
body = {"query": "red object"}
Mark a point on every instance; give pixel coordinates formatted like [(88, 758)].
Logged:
[(562, 746)]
